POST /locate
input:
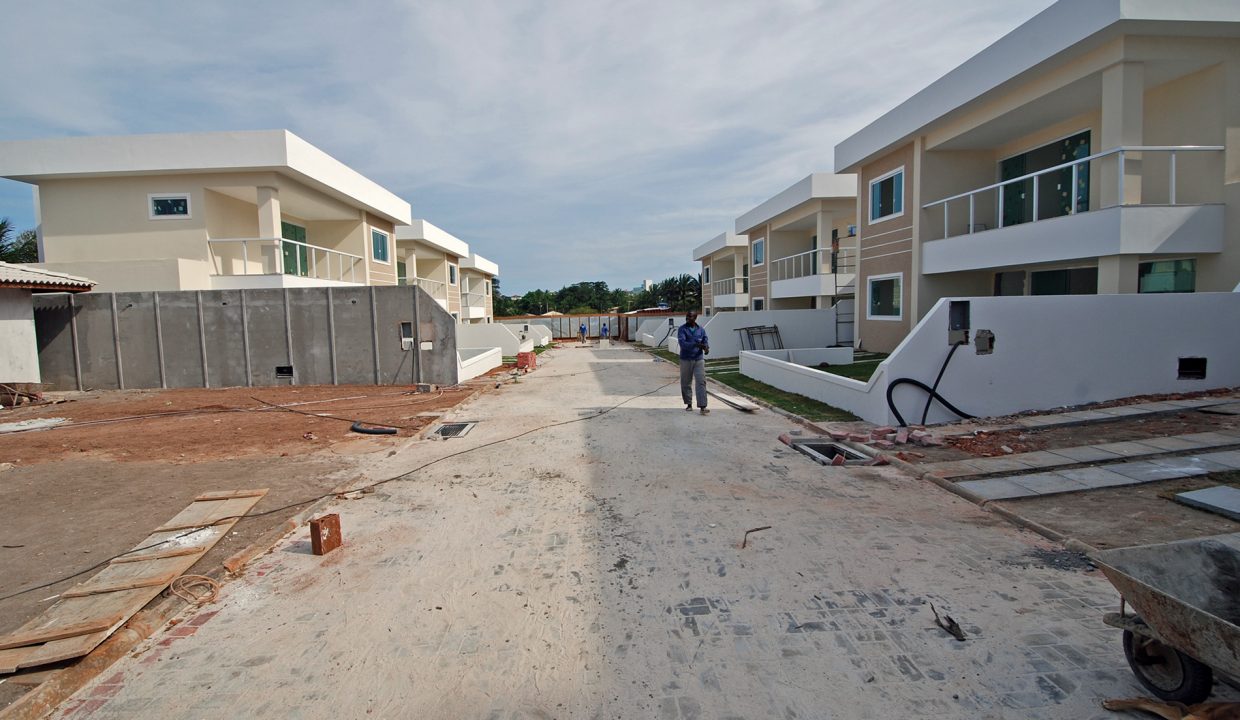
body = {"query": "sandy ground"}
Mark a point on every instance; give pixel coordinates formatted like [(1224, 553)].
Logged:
[(567, 564), (73, 496)]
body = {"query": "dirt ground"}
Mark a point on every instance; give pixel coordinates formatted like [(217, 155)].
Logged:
[(1130, 515), (127, 461)]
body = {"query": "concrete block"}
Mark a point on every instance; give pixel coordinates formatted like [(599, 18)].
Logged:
[(1149, 472), (325, 534), (1095, 477), (1220, 499), (1048, 483), (996, 489)]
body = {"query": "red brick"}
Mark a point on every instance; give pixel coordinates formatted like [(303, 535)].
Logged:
[(527, 360), (325, 534), (201, 618)]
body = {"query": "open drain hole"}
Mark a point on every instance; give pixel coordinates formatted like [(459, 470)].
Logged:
[(454, 430), (825, 452)]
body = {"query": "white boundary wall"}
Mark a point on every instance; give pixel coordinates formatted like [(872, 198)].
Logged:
[(1049, 352), (472, 362), (810, 356), (19, 353), (504, 337), (797, 328), (654, 331)]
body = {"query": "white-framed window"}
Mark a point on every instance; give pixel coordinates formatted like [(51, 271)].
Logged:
[(759, 252), (487, 286), (451, 274), (706, 275), (380, 243), (758, 304), (707, 311), (168, 206), (885, 297), (887, 196)]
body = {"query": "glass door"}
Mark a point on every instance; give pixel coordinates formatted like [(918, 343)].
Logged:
[(296, 257), (1055, 191)]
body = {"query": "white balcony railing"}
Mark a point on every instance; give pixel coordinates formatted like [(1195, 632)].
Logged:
[(814, 262), (474, 299), (277, 256), (730, 286), (1077, 201), (433, 287)]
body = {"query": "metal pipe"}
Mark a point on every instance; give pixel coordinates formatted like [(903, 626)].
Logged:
[(1171, 182)]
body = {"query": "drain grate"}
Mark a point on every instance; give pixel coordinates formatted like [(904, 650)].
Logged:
[(454, 430), (826, 452)]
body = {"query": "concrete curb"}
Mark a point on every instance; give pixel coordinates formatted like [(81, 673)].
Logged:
[(146, 622)]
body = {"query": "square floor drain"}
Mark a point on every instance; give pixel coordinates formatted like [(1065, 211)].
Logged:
[(454, 430), (825, 452)]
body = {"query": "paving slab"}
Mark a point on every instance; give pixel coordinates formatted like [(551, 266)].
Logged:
[(1191, 461), (1096, 477), (1227, 409), (1043, 459), (1215, 439), (1175, 443), (1122, 411), (1229, 458), (1220, 499), (1085, 453), (1049, 483), (991, 465), (996, 489), (1145, 471), (1130, 448)]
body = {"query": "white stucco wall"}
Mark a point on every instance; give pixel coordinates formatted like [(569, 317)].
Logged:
[(811, 357), (1049, 352), (797, 328), (472, 362), (19, 353), (505, 337)]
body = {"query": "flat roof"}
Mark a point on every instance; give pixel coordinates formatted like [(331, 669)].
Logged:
[(26, 277), (424, 232), (818, 186), (1067, 28), (719, 242), (480, 264), (185, 153)]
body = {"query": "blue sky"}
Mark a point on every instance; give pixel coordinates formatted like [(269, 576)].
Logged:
[(567, 141)]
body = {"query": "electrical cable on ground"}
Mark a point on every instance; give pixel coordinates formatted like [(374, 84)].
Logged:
[(375, 484), (933, 393)]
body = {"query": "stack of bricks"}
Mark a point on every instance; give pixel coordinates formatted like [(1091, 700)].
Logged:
[(889, 437), (527, 360)]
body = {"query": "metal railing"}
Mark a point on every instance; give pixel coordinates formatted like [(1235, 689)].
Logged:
[(434, 287), (269, 259), (474, 299), (814, 262), (730, 286), (1077, 171)]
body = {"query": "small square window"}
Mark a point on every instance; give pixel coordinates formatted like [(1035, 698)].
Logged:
[(170, 206), (884, 297), (379, 245), (759, 304)]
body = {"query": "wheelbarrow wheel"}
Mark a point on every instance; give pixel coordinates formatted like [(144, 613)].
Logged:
[(1168, 673)]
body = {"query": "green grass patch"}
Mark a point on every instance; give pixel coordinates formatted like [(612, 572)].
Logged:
[(807, 408), (667, 355), (860, 370), (543, 348)]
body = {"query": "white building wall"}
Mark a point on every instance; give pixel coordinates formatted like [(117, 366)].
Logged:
[(19, 352), (797, 329), (472, 362), (504, 337)]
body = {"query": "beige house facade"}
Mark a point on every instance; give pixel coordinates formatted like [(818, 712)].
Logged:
[(725, 273), (800, 245), (430, 258), (206, 211), (477, 274), (1092, 150)]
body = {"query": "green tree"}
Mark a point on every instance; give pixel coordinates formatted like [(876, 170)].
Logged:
[(20, 248)]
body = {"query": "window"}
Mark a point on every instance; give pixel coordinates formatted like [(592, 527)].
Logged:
[(296, 254), (759, 304), (169, 206), (1167, 276), (1070, 281), (887, 196), (707, 311), (402, 273), (706, 275), (1009, 283), (451, 274), (487, 285), (379, 245), (759, 252), (885, 297)]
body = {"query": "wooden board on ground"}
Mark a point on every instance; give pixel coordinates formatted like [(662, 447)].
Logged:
[(88, 613), (739, 403)]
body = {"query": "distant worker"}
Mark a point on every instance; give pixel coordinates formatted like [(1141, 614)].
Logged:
[(694, 347), (603, 333), (581, 333)]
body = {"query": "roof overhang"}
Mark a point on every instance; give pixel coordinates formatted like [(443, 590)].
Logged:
[(426, 233), (25, 277), (819, 186), (278, 151), (719, 242), (1055, 36), (480, 264)]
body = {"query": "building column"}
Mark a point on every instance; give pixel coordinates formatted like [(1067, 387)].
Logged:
[(268, 200), (1123, 99), (825, 221), (1117, 274)]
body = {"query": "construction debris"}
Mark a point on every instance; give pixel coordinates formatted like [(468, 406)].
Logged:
[(736, 402), (325, 534), (745, 540), (948, 623)]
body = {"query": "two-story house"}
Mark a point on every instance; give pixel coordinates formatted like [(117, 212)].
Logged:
[(725, 273), (1091, 150)]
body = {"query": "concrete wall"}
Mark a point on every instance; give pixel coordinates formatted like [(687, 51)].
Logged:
[(226, 338), (797, 328), (509, 340), (472, 362), (19, 356), (810, 357), (1049, 351)]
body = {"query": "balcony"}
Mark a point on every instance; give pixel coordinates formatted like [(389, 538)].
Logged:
[(244, 263), (730, 292), (437, 289), (473, 306), (814, 273), (1151, 200)]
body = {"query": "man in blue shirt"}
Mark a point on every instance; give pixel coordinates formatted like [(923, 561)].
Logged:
[(693, 349)]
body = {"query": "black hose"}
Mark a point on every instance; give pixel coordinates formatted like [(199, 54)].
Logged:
[(932, 391), (357, 427)]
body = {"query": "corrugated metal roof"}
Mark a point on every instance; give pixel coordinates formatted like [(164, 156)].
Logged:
[(26, 277)]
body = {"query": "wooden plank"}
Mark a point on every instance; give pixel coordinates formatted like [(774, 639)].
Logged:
[(158, 580), (121, 589), (736, 402), (36, 637), (193, 526), (159, 555), (231, 494)]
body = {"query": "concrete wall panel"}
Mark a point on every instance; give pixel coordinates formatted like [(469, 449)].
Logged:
[(225, 341), (139, 346), (311, 337), (178, 318), (54, 339)]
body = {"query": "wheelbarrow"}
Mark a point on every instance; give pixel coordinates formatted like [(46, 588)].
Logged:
[(1187, 623)]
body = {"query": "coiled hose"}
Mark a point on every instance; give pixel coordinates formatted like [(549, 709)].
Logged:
[(931, 391)]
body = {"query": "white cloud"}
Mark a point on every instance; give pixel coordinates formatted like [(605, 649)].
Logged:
[(567, 141)]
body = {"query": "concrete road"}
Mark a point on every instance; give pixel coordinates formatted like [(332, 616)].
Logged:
[(594, 570)]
